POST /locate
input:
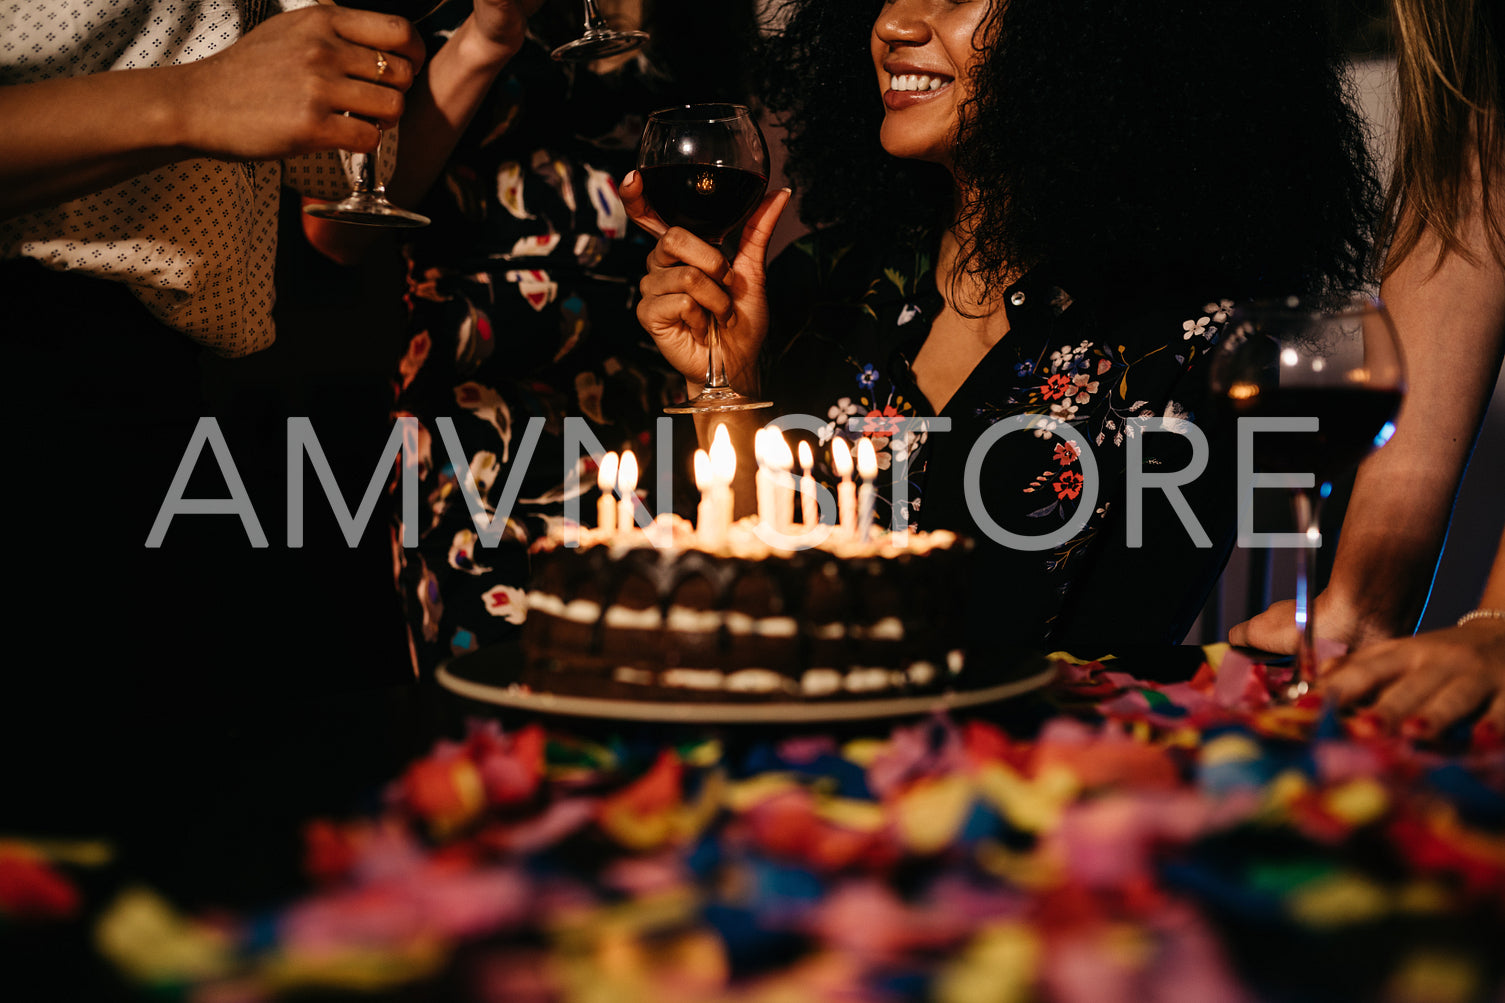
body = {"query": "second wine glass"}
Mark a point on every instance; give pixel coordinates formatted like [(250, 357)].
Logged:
[(705, 168), (1331, 380)]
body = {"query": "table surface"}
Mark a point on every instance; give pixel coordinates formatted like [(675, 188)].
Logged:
[(1152, 826)]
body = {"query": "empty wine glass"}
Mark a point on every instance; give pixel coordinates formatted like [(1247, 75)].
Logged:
[(367, 204), (1327, 384), (705, 168), (599, 39)]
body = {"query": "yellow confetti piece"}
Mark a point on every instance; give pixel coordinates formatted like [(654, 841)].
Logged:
[(864, 751), (1230, 748), (747, 794), (75, 852), (998, 966), (1424, 897), (1340, 900), (354, 969), (930, 813), (1214, 653), (1070, 659), (1030, 870), (1285, 790), (143, 936), (849, 813), (1032, 806), (704, 754), (1433, 976), (1358, 802)]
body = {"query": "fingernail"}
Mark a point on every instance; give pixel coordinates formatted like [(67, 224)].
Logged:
[(1415, 727), (1487, 737)]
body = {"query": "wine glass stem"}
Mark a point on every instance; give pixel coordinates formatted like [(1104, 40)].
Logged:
[(593, 19), (366, 180), (1305, 505), (715, 365)]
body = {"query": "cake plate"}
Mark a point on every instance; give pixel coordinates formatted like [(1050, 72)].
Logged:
[(491, 676)]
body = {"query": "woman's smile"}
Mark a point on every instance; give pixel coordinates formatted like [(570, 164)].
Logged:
[(923, 53)]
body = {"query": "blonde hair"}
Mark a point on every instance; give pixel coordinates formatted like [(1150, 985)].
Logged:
[(1450, 149)]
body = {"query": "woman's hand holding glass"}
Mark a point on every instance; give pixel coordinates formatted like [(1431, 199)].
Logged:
[(287, 86), (689, 281)]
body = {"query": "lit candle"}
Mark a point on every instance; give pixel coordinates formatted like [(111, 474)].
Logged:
[(781, 460), (763, 479), (846, 491), (808, 513), (627, 486), (606, 508), (867, 468), (723, 470), (705, 512)]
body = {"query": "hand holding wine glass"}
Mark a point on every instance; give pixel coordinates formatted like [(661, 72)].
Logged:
[(367, 204), (1326, 385), (702, 173)]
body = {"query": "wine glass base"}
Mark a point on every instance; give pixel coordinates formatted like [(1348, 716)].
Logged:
[(599, 45), (722, 399), (365, 209)]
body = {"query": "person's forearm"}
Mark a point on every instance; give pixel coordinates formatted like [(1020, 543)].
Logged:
[(69, 137), (441, 104), (1493, 596), (1451, 323)]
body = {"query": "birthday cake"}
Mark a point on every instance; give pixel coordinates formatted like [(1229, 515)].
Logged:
[(662, 616)]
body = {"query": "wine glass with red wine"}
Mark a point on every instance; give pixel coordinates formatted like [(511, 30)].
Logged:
[(367, 204), (1334, 376), (705, 168), (599, 39)]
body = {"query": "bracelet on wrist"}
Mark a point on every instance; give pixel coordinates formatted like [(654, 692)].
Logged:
[(1481, 614)]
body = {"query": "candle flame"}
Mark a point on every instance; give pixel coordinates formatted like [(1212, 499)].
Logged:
[(807, 459), (841, 457), (723, 456), (867, 459), (702, 470), (606, 473), (776, 451), (627, 475)]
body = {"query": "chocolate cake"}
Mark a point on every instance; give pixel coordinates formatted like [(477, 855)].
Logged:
[(624, 618)]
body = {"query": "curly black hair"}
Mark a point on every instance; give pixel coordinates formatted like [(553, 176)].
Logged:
[(1210, 139)]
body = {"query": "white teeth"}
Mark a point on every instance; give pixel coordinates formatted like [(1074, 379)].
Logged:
[(917, 82)]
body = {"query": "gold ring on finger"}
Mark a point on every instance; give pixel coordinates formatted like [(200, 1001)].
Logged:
[(381, 64)]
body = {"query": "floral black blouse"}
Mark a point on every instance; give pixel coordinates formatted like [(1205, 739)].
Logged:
[(522, 296), (849, 319)]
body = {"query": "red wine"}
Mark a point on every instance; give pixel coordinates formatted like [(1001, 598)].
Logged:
[(1349, 420), (707, 200)]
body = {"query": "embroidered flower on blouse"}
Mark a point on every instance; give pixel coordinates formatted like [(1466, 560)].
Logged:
[(1219, 311), (880, 424), (1063, 411), (1067, 453), (1194, 328), (1044, 427), (1072, 360), (1085, 387), (1056, 387), (868, 376), (842, 410), (1024, 368), (1068, 484)]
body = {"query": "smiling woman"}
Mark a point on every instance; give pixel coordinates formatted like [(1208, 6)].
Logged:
[(1024, 224)]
